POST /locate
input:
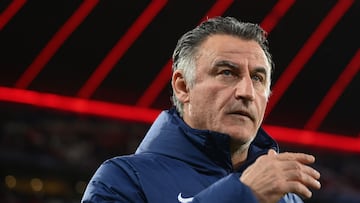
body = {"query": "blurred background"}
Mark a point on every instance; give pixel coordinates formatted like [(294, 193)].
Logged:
[(82, 81)]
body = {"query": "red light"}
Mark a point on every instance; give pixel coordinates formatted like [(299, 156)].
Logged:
[(146, 115), (278, 11), (120, 48), (10, 11), (54, 44), (334, 93), (307, 51)]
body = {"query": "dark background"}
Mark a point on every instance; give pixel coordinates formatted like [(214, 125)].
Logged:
[(49, 51)]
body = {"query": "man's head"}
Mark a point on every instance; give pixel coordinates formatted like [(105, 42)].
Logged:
[(221, 77)]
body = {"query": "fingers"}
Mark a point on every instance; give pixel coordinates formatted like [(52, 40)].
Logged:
[(299, 176), (305, 175), (275, 174), (287, 156), (306, 170), (299, 189), (272, 152)]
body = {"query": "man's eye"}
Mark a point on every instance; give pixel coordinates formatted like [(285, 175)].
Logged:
[(227, 73), (258, 78)]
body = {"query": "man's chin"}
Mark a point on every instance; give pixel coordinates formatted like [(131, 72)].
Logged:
[(242, 136)]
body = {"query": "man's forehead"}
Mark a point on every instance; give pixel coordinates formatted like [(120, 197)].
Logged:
[(231, 44), (235, 51)]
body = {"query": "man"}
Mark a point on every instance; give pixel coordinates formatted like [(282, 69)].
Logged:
[(211, 148)]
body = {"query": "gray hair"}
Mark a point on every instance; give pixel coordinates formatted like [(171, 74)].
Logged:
[(184, 56)]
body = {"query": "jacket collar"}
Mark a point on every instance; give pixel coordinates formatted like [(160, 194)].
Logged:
[(203, 149)]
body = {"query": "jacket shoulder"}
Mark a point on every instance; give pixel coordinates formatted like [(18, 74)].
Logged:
[(114, 180)]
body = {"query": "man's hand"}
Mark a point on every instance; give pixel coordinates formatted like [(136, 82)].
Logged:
[(273, 175)]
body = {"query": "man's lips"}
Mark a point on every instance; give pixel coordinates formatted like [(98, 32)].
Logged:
[(243, 113)]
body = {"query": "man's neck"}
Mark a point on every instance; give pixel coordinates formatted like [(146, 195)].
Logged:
[(238, 154)]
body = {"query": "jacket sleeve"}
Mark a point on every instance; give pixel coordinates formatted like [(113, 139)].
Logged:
[(231, 190), (227, 190), (108, 188)]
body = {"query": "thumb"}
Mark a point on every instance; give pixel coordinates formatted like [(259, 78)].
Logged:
[(272, 152)]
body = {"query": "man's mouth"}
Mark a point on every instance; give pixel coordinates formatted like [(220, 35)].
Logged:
[(243, 113)]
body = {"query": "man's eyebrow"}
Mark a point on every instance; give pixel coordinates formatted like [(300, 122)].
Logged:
[(232, 65), (260, 70), (227, 64)]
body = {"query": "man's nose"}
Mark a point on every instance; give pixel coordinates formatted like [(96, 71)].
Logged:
[(245, 89)]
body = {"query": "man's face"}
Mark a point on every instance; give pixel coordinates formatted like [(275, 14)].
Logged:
[(229, 94)]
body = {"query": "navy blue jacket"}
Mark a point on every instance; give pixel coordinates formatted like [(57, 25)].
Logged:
[(176, 163)]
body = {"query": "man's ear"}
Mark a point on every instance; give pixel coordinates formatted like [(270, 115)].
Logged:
[(180, 87)]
